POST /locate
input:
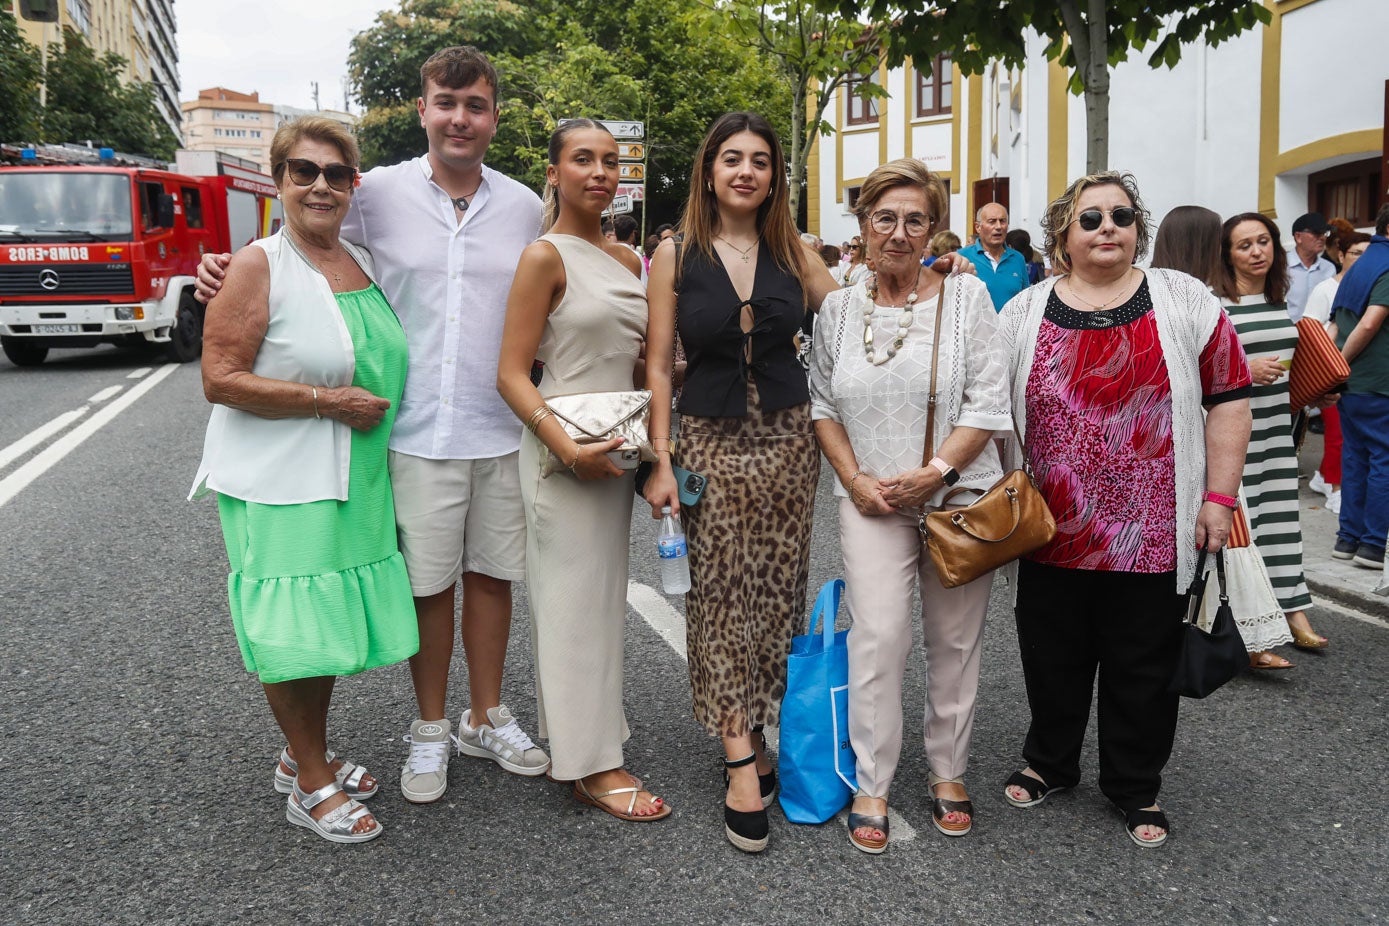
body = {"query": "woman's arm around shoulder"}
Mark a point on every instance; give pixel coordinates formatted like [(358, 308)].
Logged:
[(819, 281)]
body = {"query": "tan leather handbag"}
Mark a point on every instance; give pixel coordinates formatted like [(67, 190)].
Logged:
[(1010, 520)]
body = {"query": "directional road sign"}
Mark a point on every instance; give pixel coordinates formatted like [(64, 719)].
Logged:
[(631, 172), (621, 203), (635, 190), (631, 151), (625, 131)]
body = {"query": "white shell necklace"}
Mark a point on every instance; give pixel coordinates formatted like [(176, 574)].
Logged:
[(904, 321)]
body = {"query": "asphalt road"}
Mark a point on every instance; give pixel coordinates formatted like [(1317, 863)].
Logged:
[(137, 755)]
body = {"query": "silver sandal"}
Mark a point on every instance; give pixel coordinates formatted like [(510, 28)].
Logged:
[(337, 824), (349, 775)]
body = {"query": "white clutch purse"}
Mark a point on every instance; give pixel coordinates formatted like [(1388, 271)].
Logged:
[(592, 417)]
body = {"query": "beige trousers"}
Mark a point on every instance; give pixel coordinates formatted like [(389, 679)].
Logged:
[(883, 558)]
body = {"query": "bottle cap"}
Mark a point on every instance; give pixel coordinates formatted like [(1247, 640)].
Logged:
[(665, 509)]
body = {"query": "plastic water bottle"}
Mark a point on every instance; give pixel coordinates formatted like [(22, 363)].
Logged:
[(675, 558)]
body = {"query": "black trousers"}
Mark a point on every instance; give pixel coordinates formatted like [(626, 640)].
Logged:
[(1127, 625)]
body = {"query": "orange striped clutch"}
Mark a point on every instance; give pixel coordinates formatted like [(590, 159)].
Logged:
[(1239, 531), (1318, 367)]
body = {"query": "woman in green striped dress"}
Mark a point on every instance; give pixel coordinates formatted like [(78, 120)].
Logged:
[(1253, 286)]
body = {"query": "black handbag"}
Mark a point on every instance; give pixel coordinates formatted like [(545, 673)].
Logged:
[(1208, 659)]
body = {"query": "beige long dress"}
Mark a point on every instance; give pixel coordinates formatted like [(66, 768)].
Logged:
[(577, 532)]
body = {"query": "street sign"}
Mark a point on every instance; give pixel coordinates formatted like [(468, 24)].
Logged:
[(621, 203), (631, 151), (625, 131), (631, 172), (635, 190)]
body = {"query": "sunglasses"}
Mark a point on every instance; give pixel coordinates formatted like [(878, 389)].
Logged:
[(1092, 219), (304, 172)]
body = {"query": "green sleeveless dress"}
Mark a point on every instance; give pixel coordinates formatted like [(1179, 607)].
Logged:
[(320, 588)]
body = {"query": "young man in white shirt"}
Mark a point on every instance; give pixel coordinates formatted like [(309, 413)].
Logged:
[(446, 233)]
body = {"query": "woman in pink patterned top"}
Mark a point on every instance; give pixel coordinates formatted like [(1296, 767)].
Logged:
[(1111, 369)]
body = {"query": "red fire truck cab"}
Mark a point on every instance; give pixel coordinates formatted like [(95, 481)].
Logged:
[(97, 248)]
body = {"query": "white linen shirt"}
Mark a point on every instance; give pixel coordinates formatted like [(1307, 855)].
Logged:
[(448, 282)]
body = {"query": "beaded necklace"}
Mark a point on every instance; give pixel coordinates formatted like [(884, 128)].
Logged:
[(904, 321)]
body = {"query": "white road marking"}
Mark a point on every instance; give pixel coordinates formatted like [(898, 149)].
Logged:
[(105, 394), (37, 436), (667, 622), (17, 481), (138, 374), (657, 612)]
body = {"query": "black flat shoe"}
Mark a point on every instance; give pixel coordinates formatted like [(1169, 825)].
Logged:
[(1037, 790), (1133, 819), (746, 829)]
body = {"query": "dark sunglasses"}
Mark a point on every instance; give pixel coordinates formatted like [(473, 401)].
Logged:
[(1092, 219), (304, 172)]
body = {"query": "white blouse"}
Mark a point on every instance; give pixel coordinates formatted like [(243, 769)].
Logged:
[(883, 407)]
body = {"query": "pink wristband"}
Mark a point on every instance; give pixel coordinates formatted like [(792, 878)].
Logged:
[(1226, 500)]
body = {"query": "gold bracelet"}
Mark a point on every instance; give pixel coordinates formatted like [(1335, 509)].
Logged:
[(849, 486), (537, 416), (575, 462), (315, 403)]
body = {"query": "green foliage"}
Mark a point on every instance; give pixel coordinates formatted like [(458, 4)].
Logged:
[(663, 62), (978, 33), (20, 75), (815, 52), (87, 101)]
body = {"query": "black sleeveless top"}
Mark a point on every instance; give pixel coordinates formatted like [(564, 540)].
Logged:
[(707, 315)]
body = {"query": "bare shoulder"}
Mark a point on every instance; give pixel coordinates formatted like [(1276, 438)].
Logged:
[(625, 256), (248, 275), (539, 256)]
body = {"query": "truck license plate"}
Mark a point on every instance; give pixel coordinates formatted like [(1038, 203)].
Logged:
[(57, 329)]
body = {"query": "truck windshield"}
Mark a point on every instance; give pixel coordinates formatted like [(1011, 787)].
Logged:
[(61, 204)]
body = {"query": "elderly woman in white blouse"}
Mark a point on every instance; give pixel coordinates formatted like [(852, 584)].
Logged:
[(870, 383)]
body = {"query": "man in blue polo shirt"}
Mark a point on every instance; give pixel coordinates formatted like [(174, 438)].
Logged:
[(1003, 270)]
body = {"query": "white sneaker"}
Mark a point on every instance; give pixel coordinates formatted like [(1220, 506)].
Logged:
[(1333, 502), (1318, 484), (425, 774), (504, 742)]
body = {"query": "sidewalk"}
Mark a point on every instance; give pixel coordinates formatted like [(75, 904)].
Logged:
[(1338, 580)]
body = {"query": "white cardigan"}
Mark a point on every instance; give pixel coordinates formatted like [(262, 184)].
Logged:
[(1186, 313), (288, 461)]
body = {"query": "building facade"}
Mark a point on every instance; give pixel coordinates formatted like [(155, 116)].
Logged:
[(240, 124), (1284, 119), (143, 32)]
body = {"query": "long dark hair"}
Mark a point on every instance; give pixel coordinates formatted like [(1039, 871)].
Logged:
[(1276, 281), (1189, 240), (557, 137), (775, 229)]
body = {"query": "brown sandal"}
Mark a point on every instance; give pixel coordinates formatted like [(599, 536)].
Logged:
[(1265, 661), (582, 793)]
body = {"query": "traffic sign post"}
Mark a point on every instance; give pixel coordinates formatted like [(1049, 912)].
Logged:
[(621, 204), (631, 151), (624, 131)]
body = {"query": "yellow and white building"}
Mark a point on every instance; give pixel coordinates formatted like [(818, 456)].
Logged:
[(1284, 119)]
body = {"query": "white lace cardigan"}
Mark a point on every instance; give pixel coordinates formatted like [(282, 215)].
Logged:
[(883, 408), (1186, 313)]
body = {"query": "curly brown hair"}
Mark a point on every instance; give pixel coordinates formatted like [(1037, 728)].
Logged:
[(1062, 212)]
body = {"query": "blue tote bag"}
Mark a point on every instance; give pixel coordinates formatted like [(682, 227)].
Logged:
[(816, 760)]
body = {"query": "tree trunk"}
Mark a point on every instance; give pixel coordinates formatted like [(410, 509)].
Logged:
[(1097, 109), (800, 149)]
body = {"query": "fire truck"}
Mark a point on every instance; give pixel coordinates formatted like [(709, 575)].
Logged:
[(98, 247)]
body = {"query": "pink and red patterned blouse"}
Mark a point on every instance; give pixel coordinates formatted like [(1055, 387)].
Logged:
[(1099, 432)]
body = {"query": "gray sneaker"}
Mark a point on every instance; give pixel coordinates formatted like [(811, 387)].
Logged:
[(425, 774), (504, 742)]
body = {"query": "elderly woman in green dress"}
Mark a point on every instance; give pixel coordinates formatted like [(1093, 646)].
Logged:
[(304, 362)]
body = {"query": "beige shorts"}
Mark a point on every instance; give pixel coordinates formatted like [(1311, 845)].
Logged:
[(456, 516)]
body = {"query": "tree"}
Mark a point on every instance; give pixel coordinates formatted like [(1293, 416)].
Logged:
[(87, 101), (20, 75), (816, 53), (1086, 36), (659, 61)]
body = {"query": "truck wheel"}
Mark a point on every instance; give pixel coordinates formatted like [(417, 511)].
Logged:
[(21, 353), (186, 337)]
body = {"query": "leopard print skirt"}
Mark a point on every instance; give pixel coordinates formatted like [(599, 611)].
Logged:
[(749, 541)]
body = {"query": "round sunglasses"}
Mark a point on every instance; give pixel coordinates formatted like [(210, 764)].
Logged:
[(1092, 219), (304, 172)]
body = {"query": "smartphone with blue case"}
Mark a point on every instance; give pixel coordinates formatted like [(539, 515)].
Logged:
[(690, 484)]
